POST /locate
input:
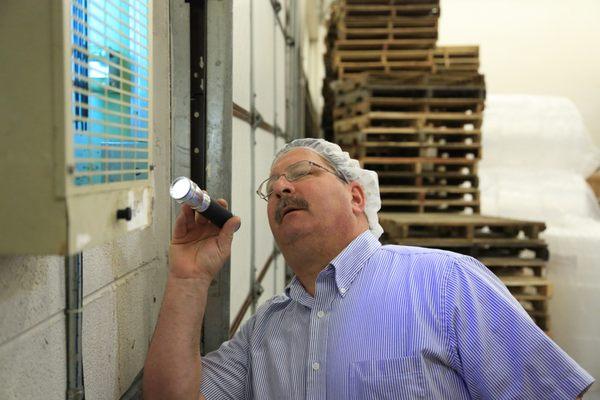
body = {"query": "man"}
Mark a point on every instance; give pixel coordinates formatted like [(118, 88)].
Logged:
[(359, 320)]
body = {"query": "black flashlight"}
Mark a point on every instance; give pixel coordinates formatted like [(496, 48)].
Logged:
[(184, 190)]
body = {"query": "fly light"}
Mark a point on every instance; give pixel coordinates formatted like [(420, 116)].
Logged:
[(184, 190)]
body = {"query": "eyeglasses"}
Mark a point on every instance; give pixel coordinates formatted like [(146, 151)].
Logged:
[(292, 173)]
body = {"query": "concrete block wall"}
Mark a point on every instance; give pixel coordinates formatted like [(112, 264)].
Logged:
[(123, 285), (32, 338)]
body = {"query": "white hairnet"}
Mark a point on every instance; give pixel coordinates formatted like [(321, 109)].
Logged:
[(350, 169)]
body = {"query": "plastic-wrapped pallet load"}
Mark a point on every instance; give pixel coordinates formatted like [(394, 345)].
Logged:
[(536, 156)]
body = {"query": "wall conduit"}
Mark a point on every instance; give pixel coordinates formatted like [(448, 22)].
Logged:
[(74, 320)]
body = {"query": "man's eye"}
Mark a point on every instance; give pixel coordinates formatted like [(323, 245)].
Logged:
[(300, 174)]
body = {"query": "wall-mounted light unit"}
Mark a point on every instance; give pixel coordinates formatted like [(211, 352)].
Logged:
[(75, 123)]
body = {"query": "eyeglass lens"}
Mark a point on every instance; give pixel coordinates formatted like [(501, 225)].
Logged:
[(292, 173)]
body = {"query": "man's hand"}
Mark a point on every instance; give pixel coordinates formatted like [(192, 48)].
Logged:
[(198, 248)]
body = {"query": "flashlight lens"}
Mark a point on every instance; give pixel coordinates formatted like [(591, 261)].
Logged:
[(180, 188)]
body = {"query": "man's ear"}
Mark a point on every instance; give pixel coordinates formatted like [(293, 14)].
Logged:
[(359, 198)]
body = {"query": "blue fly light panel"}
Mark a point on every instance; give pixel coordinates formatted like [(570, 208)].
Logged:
[(110, 93)]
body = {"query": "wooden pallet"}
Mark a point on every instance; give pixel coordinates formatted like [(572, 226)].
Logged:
[(407, 226), (390, 177), (377, 22), (422, 133), (387, 10), (381, 149), (475, 235), (431, 206), (419, 163), (401, 96), (483, 248), (515, 266), (402, 83), (421, 169), (382, 119), (384, 2), (429, 199), (450, 58), (388, 33), (502, 263), (352, 110), (456, 58), (430, 136), (410, 145), (420, 166), (412, 84), (405, 104), (378, 45), (347, 62), (528, 288), (434, 192)]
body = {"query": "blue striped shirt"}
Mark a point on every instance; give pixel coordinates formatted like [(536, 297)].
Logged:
[(393, 322)]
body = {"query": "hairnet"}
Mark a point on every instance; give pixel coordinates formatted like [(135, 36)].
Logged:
[(350, 169)]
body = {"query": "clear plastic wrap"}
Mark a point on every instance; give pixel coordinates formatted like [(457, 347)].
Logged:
[(552, 196), (531, 132)]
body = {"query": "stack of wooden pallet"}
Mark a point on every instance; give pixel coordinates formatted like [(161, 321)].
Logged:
[(387, 36), (420, 131), (380, 35), (413, 112)]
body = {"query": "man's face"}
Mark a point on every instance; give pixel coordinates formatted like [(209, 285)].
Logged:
[(312, 205)]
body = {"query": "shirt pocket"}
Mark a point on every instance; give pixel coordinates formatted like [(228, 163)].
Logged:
[(396, 379)]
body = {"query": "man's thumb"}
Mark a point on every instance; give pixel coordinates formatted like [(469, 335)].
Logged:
[(226, 234)]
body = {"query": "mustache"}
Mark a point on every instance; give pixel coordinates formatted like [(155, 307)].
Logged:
[(289, 201)]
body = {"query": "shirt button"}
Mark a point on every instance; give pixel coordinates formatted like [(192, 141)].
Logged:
[(316, 366), (343, 290), (321, 314)]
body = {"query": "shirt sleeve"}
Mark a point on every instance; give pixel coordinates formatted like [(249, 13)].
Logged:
[(225, 371), (497, 348)]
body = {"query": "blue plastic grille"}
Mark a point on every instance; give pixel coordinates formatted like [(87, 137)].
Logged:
[(110, 92)]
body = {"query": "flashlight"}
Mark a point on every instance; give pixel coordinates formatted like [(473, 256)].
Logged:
[(184, 190)]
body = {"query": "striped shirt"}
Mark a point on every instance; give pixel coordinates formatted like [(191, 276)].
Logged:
[(393, 322)]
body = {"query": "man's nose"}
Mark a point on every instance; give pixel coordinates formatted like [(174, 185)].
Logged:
[(282, 185)]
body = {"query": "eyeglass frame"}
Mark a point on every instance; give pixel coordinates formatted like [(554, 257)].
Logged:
[(311, 163)]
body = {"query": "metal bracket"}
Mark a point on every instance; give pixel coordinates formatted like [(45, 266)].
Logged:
[(255, 119), (257, 289), (276, 6), (289, 40)]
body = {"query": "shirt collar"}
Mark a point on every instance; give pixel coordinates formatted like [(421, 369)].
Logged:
[(347, 265), (295, 291), (352, 259)]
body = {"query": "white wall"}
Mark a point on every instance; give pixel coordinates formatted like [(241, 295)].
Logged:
[(123, 284), (313, 42), (268, 53), (547, 47)]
